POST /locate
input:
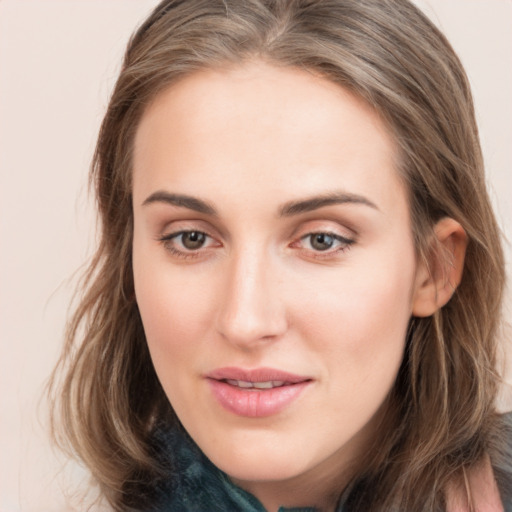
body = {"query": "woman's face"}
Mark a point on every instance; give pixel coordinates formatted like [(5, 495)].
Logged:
[(274, 267)]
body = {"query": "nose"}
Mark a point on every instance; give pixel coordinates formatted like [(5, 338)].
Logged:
[(251, 308)]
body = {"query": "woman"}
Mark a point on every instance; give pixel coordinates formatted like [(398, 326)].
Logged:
[(298, 287)]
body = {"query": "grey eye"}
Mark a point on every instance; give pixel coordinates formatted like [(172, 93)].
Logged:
[(321, 241), (193, 239)]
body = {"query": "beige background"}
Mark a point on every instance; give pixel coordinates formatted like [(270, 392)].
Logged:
[(58, 61)]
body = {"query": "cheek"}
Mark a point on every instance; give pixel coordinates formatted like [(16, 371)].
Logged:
[(174, 312), (357, 326), (361, 309)]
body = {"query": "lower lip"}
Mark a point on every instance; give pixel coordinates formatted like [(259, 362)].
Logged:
[(256, 403)]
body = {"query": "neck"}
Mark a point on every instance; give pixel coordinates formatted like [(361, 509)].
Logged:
[(320, 491), (322, 485)]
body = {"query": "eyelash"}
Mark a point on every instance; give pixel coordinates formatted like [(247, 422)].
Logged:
[(167, 242), (344, 244)]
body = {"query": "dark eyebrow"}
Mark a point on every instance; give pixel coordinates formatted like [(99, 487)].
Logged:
[(181, 200), (313, 203)]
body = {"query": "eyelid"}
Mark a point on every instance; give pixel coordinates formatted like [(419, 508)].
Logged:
[(333, 226), (340, 238), (343, 237), (343, 244), (175, 234), (167, 240), (180, 225)]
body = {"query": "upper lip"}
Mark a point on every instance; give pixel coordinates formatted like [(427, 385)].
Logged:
[(256, 375)]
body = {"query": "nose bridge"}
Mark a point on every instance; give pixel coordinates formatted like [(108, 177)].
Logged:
[(251, 309)]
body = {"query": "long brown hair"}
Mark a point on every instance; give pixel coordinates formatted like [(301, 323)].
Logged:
[(441, 417)]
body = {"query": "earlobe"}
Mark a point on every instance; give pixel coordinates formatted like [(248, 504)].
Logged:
[(439, 275)]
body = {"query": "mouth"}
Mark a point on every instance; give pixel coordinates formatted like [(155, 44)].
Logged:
[(256, 393)]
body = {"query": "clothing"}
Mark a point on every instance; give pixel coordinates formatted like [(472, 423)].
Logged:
[(196, 485)]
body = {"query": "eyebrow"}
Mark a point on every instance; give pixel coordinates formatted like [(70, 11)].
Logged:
[(289, 209), (314, 203), (181, 200)]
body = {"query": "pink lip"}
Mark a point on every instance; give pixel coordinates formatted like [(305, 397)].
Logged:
[(255, 403)]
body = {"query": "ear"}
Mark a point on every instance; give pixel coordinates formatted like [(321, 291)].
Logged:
[(439, 274)]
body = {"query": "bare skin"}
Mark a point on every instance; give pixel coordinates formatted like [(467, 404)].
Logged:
[(271, 230)]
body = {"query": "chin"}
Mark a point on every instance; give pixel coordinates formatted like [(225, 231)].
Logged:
[(270, 470), (258, 459)]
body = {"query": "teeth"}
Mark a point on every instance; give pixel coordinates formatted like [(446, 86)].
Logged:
[(263, 385), (256, 385), (244, 384)]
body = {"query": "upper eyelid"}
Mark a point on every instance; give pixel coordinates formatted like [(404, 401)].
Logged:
[(341, 230), (341, 225), (339, 238), (175, 234), (334, 227), (179, 225), (328, 232), (170, 243)]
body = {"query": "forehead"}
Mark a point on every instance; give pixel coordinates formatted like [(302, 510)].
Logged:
[(261, 126)]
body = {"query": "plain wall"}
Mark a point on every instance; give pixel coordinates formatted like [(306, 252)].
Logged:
[(58, 62)]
